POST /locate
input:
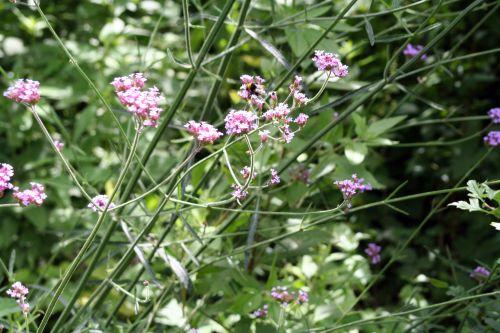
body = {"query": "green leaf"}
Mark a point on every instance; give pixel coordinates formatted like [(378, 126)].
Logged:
[(381, 126), (369, 32), (360, 124), (438, 283), (355, 152), (471, 206)]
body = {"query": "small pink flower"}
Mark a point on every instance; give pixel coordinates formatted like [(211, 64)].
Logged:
[(492, 138), (281, 111), (257, 102), (59, 145), (99, 203), (480, 273), (282, 295), (411, 51), (24, 91), (19, 292), (287, 134), (35, 195), (260, 313), (303, 297), (240, 122), (301, 119), (6, 173), (275, 178), (245, 172), (273, 95), (300, 98), (329, 62), (264, 135), (203, 132)]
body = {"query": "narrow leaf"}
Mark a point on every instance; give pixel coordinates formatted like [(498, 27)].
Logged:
[(369, 31)]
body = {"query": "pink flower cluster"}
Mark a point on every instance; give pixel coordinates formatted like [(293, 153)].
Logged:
[(141, 103), (329, 62), (240, 122), (284, 297), (203, 132), (492, 139), (245, 172), (19, 292), (275, 178), (373, 252), (59, 145), (412, 50), (239, 193), (350, 188), (295, 90), (6, 173), (24, 91), (99, 203), (32, 196), (494, 114), (252, 90)]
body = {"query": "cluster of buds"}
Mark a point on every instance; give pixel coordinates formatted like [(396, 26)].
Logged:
[(492, 139), (351, 187), (19, 292), (143, 104), (24, 91), (203, 132), (6, 173), (284, 297)]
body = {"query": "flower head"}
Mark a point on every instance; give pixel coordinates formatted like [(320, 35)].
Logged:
[(494, 114), (287, 134), (35, 195), (480, 273), (412, 50), (19, 292), (59, 145), (302, 297), (261, 312), (329, 62), (275, 178), (279, 112), (6, 173), (493, 138), (24, 91), (373, 252), (245, 172), (203, 132), (301, 119), (238, 192), (143, 104), (282, 295), (99, 203), (300, 98), (350, 188), (251, 86), (240, 122)]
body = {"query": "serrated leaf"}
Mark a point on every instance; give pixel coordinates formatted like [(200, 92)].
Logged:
[(475, 190), (471, 206), (355, 152), (369, 32), (495, 225), (381, 126)]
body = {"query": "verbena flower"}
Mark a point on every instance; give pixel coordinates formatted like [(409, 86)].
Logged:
[(302, 297), (373, 252), (144, 104), (281, 111), (33, 196), (301, 119), (300, 98), (6, 173), (287, 134), (480, 273), (238, 192), (99, 202), (240, 122), (275, 178), (203, 132), (412, 50), (59, 145), (261, 312), (296, 85), (24, 91), (493, 138), (136, 80), (251, 86), (282, 295), (19, 292), (245, 172), (350, 188), (495, 115), (264, 135), (329, 62)]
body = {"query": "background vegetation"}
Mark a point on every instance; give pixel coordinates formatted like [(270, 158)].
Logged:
[(412, 130)]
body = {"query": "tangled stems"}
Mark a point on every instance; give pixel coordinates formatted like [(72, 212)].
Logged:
[(90, 239)]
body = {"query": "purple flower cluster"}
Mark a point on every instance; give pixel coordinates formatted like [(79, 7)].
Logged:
[(494, 114), (252, 90), (329, 62), (19, 292), (261, 312), (492, 139), (301, 119), (32, 196), (350, 188), (412, 50), (203, 132), (24, 91), (6, 173), (239, 192), (245, 172), (480, 273), (59, 145), (284, 297), (275, 178), (99, 202), (373, 252), (141, 103), (240, 122)]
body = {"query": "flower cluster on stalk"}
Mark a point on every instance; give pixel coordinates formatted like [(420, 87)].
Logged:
[(351, 187), (99, 203), (24, 91), (35, 195), (284, 297), (19, 292), (480, 273)]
